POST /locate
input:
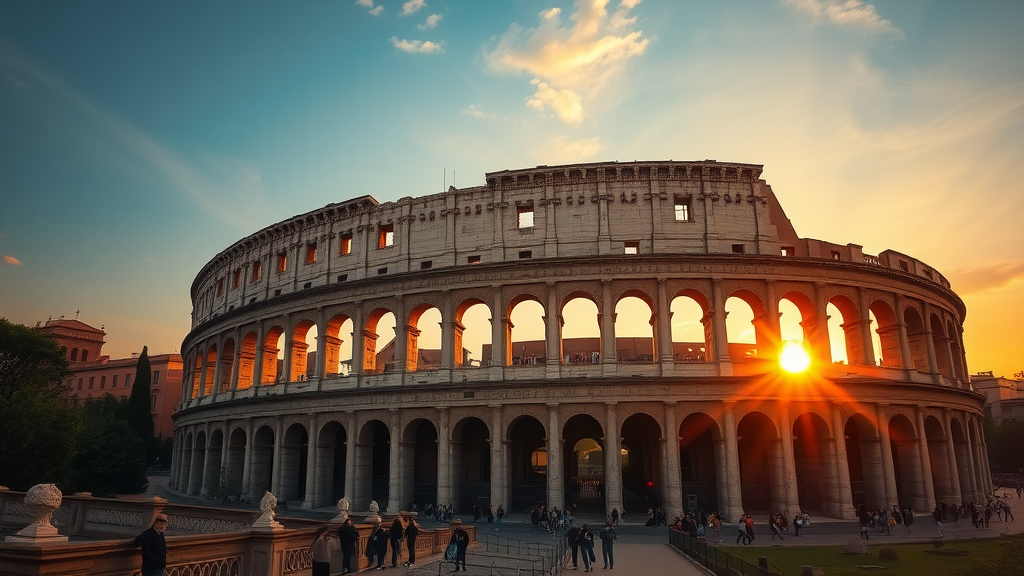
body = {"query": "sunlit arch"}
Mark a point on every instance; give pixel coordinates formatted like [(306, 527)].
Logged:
[(474, 317), (692, 334), (525, 330)]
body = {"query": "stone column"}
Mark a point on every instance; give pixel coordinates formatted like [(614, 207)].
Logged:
[(217, 368), (202, 374), (732, 462), (789, 479), (819, 337), (247, 456), (556, 491), (612, 460), (926, 461), (607, 319), (321, 346), (444, 466), (901, 327), (288, 356), (769, 332), (351, 437), (865, 328), (552, 332), (498, 467), (970, 458), (275, 475), (665, 349), (953, 469), (721, 339), (193, 482), (888, 473), (933, 362), (311, 459), (394, 486), (499, 331), (721, 476), (845, 487), (236, 363), (673, 482), (257, 364)]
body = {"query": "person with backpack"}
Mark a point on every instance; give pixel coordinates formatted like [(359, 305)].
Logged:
[(461, 540), (586, 543)]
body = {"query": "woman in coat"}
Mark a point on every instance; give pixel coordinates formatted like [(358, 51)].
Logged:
[(348, 536), (586, 540)]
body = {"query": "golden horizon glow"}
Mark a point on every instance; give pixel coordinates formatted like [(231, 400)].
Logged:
[(794, 358)]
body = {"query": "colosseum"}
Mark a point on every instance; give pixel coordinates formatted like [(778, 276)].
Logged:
[(493, 344)]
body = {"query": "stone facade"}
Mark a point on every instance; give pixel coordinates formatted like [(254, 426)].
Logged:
[(721, 428), (1004, 398)]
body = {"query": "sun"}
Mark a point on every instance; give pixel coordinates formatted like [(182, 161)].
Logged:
[(794, 358)]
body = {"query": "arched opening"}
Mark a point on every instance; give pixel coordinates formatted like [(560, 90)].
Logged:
[(472, 334), (815, 459), (963, 459), (583, 440), (246, 361), (528, 460), (338, 347), (845, 335), (918, 339), (332, 453), (743, 338), (943, 471), (227, 365), (379, 340), (471, 463), (525, 333), (210, 371), (956, 351), (692, 335), (419, 463), (906, 464), (760, 464), (195, 483), (262, 462), (699, 462), (235, 464), (864, 462), (185, 467), (212, 479), (423, 339), (641, 455), (373, 466), (294, 458), (580, 333), (197, 375), (634, 329), (271, 356), (303, 351), (940, 343)]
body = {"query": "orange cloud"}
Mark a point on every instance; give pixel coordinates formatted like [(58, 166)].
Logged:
[(978, 278), (12, 260)]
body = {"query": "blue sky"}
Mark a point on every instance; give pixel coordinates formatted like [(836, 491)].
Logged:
[(138, 139)]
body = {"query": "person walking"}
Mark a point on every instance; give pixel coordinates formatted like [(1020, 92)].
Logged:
[(461, 540), (937, 516), (348, 537), (748, 524), (773, 525), (500, 515), (412, 530), (615, 516), (154, 547), (324, 543), (908, 518), (571, 537), (608, 538), (586, 542)]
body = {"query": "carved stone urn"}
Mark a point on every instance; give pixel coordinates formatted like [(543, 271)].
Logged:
[(266, 520), (42, 500)]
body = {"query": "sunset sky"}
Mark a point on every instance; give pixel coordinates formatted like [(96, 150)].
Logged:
[(139, 139)]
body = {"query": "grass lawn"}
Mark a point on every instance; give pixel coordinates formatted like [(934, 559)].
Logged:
[(914, 558)]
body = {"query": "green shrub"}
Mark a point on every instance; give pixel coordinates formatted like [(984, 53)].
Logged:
[(888, 553)]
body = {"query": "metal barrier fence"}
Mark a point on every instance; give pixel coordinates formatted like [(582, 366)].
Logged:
[(503, 556), (720, 562)]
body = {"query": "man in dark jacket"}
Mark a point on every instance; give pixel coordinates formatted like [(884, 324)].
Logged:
[(461, 540), (570, 536), (154, 547)]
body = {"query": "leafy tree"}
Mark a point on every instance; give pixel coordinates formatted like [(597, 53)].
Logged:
[(1004, 440), (111, 457), (38, 424), (140, 412)]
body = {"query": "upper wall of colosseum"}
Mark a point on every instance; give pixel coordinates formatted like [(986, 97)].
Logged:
[(574, 211)]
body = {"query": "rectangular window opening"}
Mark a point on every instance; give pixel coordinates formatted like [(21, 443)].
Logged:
[(386, 235), (127, 380), (220, 287), (426, 265), (473, 259), (307, 285), (525, 254), (524, 216), (277, 292), (682, 208), (836, 255), (257, 271), (113, 383), (236, 278), (904, 266), (311, 253), (282, 261), (788, 251), (156, 377), (342, 277), (631, 247), (382, 271), (737, 248), (346, 244)]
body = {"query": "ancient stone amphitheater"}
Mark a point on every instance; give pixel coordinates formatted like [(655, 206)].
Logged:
[(708, 421)]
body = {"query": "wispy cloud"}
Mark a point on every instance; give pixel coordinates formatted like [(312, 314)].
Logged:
[(564, 150), (375, 10), (984, 277), (570, 63), (11, 260), (476, 111), (432, 21), (417, 46), (849, 13), (412, 6)]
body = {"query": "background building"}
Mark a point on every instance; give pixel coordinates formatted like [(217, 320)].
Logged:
[(1004, 398), (95, 374), (635, 251)]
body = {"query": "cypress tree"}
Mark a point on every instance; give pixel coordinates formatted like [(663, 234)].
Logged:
[(140, 413)]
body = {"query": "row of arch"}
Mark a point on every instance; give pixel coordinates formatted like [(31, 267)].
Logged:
[(823, 460), (855, 328)]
